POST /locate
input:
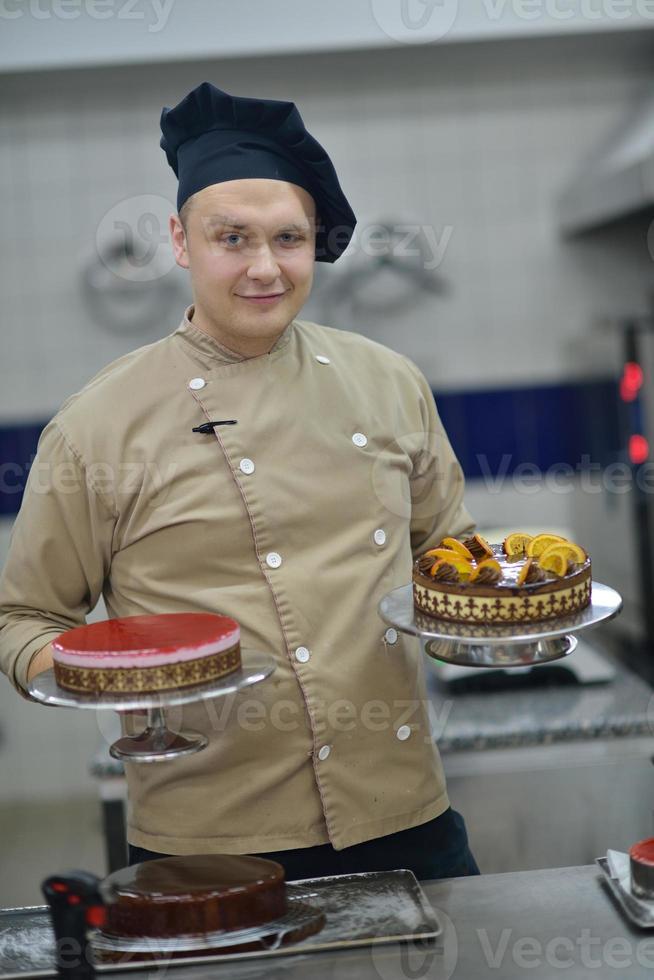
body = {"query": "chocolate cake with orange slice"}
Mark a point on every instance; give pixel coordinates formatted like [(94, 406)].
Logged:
[(525, 579)]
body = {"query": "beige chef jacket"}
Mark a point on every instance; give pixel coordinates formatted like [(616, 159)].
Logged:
[(296, 521)]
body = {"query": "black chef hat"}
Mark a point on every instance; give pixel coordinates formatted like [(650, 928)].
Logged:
[(210, 137)]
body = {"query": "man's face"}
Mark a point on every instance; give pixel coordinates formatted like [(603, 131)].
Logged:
[(247, 239)]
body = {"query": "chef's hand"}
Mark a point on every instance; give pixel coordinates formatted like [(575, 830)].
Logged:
[(40, 661)]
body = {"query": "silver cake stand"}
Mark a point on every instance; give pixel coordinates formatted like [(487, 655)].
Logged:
[(517, 645), (157, 742)]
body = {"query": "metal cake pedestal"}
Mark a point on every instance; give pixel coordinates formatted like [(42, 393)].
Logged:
[(513, 645), (157, 742)]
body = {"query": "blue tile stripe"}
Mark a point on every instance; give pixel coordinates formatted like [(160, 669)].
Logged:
[(17, 450), (495, 431), (492, 431)]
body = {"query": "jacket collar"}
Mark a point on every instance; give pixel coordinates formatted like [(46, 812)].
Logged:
[(204, 343)]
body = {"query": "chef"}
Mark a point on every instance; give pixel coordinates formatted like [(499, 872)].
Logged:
[(274, 470)]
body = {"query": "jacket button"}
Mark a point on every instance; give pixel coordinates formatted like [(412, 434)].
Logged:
[(302, 655), (273, 559), (379, 536), (197, 383), (247, 466), (390, 635), (403, 732), (359, 439), (322, 359), (324, 752)]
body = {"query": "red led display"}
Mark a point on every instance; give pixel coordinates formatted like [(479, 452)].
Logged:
[(638, 449), (631, 381)]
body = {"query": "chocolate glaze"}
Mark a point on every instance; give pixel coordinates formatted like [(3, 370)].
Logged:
[(193, 895), (508, 584)]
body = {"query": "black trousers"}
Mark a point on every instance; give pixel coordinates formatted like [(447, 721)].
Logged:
[(436, 849)]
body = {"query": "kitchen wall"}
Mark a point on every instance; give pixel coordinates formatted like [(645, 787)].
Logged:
[(472, 141)]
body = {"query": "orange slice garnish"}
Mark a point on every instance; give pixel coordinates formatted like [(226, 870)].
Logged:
[(570, 551), (463, 567), (537, 545), (448, 554), (490, 563), (524, 571), (458, 546), (516, 543), (556, 563)]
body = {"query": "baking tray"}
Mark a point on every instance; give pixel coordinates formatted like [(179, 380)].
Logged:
[(360, 910)]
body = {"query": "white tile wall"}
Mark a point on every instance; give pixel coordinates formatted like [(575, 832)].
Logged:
[(478, 137)]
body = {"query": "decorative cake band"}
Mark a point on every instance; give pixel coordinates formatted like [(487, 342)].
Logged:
[(134, 680), (504, 609)]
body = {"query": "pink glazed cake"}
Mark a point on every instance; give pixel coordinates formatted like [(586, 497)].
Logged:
[(141, 654)]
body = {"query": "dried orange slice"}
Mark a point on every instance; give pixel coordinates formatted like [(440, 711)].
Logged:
[(556, 562), (463, 567), (537, 545), (449, 554), (488, 564), (570, 551), (516, 543), (457, 546)]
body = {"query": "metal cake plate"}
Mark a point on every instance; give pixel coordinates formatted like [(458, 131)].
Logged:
[(365, 909), (156, 743), (300, 920), (516, 645)]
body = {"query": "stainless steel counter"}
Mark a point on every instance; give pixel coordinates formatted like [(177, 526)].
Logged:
[(529, 924), (532, 716)]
